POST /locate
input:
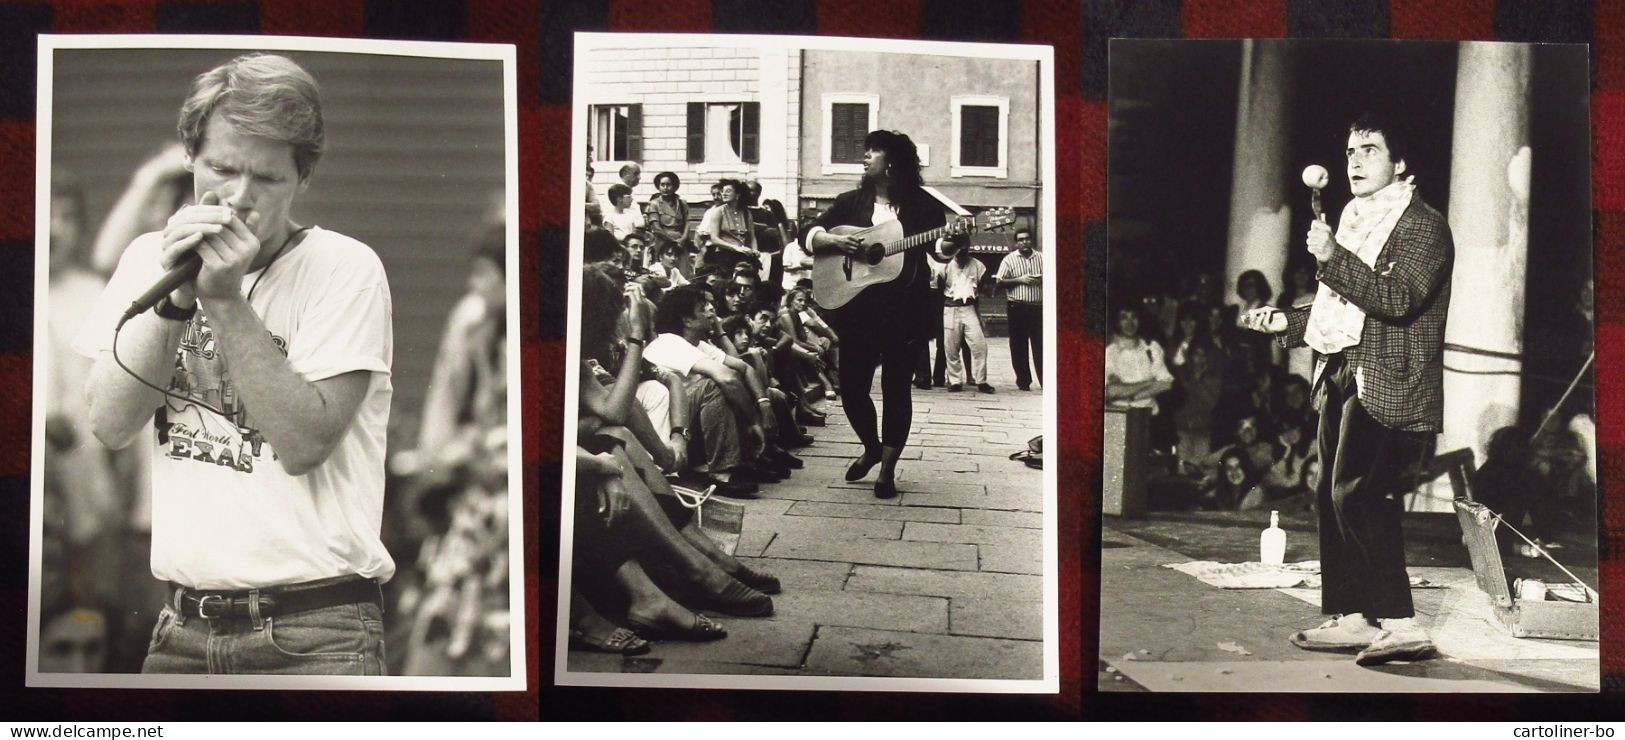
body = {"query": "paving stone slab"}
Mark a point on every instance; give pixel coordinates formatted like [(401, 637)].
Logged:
[(873, 511), (829, 528), (951, 584), (804, 575), (873, 610), (941, 555), (771, 642), (908, 484), (997, 618), (1031, 501), (849, 651), (828, 493), (1012, 559), (1025, 519), (974, 534)]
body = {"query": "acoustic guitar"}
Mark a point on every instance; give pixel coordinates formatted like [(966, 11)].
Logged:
[(838, 277)]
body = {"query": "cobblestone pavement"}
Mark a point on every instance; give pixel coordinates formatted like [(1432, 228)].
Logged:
[(944, 581)]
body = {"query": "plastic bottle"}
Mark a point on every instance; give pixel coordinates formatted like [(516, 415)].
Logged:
[(1272, 543)]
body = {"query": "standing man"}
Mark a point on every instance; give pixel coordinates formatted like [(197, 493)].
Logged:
[(1022, 275), (962, 277), (1377, 325), (666, 215), (274, 370)]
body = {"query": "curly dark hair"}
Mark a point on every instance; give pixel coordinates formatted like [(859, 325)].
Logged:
[(902, 159), (677, 305)]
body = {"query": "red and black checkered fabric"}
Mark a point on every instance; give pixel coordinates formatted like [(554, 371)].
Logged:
[(542, 30)]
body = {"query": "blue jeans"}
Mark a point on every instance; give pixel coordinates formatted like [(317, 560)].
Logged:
[(343, 640)]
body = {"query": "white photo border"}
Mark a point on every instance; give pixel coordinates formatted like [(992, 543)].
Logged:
[(507, 55), (1049, 681)]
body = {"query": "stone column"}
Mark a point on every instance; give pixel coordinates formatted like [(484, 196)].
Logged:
[(1489, 220), (1260, 213)]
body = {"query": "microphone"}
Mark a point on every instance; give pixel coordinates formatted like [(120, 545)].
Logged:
[(184, 271), (1316, 177)]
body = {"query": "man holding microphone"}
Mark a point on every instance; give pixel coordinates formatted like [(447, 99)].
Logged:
[(1377, 327), (267, 380)]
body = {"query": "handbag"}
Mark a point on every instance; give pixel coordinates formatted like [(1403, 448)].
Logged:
[(1033, 456)]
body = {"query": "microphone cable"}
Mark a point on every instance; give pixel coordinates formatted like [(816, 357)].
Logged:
[(119, 329)]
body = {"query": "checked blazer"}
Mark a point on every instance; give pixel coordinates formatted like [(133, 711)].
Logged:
[(1399, 361)]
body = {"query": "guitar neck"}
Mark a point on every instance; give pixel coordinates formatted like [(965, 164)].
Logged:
[(909, 242)]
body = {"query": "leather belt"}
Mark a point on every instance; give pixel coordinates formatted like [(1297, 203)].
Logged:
[(959, 302), (276, 600)]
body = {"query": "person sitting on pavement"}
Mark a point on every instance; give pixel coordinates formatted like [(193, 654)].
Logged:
[(731, 429), (627, 516)]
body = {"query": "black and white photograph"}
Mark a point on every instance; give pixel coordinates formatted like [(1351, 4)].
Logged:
[(806, 368), (1349, 398), (276, 441)]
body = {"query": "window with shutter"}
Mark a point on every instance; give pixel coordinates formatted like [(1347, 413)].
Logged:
[(979, 130), (696, 132), (849, 123), (724, 133), (617, 134), (979, 136)]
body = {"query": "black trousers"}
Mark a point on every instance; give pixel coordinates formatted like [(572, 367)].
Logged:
[(1363, 464), (860, 357), (1026, 331)]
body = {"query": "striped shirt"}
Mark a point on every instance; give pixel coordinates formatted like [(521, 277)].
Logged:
[(1014, 266)]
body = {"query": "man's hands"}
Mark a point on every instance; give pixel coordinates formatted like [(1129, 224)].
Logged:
[(224, 242), (1266, 319), (1321, 241)]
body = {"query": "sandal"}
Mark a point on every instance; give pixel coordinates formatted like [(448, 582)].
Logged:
[(620, 642), (704, 629)]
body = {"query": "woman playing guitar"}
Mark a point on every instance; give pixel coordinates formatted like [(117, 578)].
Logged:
[(883, 326)]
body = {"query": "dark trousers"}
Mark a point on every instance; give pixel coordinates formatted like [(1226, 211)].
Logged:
[(1026, 331), (1362, 544), (859, 360)]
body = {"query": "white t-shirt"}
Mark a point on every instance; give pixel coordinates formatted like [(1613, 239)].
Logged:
[(225, 515), (674, 353)]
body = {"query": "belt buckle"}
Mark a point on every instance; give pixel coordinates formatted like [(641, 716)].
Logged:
[(203, 603)]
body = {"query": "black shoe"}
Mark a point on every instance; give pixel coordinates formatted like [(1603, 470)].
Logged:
[(767, 583), (810, 418), (955, 388), (922, 385), (761, 472), (885, 489), (786, 459), (737, 489), (1023, 386), (798, 440), (738, 600), (858, 469), (985, 388)]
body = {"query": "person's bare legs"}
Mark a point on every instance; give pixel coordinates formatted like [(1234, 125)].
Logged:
[(656, 533), (657, 484), (649, 604)]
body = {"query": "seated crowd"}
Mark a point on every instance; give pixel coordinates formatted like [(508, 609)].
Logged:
[(696, 380), (1230, 409)]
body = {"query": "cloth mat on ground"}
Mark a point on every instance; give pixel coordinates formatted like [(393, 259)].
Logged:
[(1303, 574)]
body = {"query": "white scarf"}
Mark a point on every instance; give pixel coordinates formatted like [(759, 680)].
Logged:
[(1366, 223)]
